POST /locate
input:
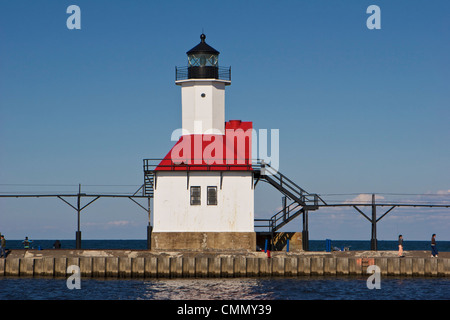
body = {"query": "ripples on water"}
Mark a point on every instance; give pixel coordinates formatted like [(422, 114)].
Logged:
[(301, 288)]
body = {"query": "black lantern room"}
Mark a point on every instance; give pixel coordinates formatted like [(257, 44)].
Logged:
[(203, 63)]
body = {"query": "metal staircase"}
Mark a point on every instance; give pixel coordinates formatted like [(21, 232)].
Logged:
[(286, 186), (281, 218), (302, 200), (149, 179)]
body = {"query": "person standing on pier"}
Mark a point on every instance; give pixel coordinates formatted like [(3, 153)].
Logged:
[(2, 247), (57, 245), (26, 243), (434, 252), (400, 246)]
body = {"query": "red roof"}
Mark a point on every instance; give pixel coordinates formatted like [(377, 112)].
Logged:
[(232, 151)]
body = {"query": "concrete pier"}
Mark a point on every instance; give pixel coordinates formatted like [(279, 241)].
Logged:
[(148, 264)]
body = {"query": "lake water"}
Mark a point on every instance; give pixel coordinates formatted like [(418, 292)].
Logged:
[(295, 288), (314, 245)]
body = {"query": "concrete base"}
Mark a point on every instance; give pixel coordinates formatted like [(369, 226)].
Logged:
[(145, 263), (203, 241)]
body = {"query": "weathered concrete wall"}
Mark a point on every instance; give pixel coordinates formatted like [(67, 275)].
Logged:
[(221, 266), (203, 241)]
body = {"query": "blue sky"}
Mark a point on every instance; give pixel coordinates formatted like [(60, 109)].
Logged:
[(359, 110)]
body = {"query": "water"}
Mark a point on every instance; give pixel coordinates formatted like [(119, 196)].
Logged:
[(268, 289), (85, 244), (298, 288), (314, 245)]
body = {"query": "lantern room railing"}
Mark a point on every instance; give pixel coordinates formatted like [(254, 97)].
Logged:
[(205, 72)]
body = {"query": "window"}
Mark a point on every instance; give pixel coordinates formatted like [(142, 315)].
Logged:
[(197, 60), (212, 196), (195, 196)]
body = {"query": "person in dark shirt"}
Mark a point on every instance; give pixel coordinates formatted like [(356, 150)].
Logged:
[(2, 247), (434, 252), (57, 245), (400, 246), (26, 243)]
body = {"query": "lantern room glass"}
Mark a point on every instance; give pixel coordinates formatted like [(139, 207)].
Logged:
[(202, 60)]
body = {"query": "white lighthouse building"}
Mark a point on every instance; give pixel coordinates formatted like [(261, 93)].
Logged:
[(204, 188)]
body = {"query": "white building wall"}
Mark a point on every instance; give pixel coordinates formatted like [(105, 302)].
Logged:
[(234, 212), (203, 113)]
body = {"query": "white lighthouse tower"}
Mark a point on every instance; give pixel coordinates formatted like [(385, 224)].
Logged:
[(203, 91), (203, 188)]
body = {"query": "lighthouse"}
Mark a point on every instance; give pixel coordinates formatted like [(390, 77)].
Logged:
[(203, 189), (203, 91)]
